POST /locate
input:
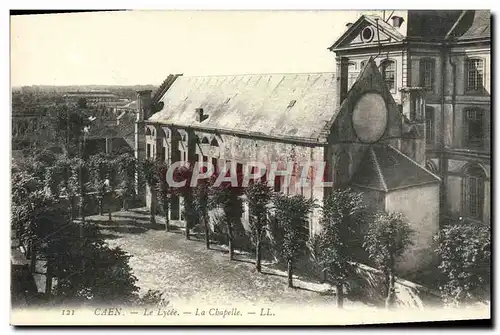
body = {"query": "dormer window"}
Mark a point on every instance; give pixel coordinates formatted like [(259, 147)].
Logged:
[(205, 140), (367, 34)]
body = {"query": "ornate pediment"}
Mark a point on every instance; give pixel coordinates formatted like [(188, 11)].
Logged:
[(367, 31)]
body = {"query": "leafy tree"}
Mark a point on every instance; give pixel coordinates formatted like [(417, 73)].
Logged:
[(291, 214), (127, 169), (258, 197), (69, 128), (201, 203), (150, 173), (465, 261), (341, 218), (80, 178), (228, 197), (82, 103), (101, 170), (388, 236), (164, 191), (185, 173)]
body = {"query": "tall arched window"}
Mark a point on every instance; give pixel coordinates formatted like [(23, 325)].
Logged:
[(474, 128), (427, 73), (388, 68), (429, 125), (473, 192), (474, 70)]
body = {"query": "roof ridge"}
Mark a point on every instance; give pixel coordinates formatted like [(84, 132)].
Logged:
[(378, 169), (257, 74)]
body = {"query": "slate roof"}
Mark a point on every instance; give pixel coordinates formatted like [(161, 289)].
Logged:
[(385, 168), (286, 105), (472, 24)]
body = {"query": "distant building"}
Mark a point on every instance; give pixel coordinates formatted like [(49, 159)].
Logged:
[(92, 97)]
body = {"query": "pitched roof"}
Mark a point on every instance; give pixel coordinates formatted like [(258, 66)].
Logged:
[(287, 105), (431, 24), (472, 24), (385, 168)]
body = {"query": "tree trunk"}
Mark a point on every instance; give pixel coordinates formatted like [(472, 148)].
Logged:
[(187, 227), (207, 231), (81, 209), (48, 279), (230, 237), (72, 207), (257, 257), (290, 273), (125, 204), (101, 206), (152, 208), (340, 295), (33, 257), (166, 210), (391, 291)]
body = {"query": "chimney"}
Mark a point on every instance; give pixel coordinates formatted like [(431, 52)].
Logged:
[(397, 21), (199, 114), (143, 105), (342, 79)]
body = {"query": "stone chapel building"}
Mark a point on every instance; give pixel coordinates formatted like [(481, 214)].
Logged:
[(369, 121)]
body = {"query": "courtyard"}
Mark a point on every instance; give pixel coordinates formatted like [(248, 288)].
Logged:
[(185, 271)]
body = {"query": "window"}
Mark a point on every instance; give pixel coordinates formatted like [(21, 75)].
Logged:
[(389, 74), (277, 183), (427, 74), (429, 125), (474, 128), (474, 69), (351, 66), (205, 140), (148, 150), (163, 153), (473, 192), (214, 142)]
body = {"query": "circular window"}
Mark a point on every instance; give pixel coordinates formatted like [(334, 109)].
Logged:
[(367, 34), (369, 117)]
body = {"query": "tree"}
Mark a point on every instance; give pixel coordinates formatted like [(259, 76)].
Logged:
[(201, 203), (68, 126), (79, 180), (258, 197), (100, 172), (82, 103), (465, 261), (164, 191), (227, 196), (127, 168), (291, 214), (341, 218), (150, 173), (388, 236), (185, 174)]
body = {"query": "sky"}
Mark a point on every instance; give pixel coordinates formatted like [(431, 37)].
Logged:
[(144, 47)]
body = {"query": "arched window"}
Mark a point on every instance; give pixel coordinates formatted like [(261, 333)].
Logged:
[(429, 125), (148, 131), (431, 166), (205, 140), (427, 73), (388, 68), (474, 70), (351, 66), (474, 128), (214, 142), (473, 192), (363, 64)]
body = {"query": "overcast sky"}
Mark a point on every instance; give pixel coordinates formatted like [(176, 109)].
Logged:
[(144, 47)]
